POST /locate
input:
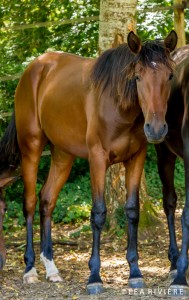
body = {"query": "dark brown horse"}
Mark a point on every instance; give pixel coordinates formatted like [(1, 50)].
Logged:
[(104, 110), (176, 144)]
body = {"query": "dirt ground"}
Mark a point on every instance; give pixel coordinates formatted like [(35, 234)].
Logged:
[(72, 261)]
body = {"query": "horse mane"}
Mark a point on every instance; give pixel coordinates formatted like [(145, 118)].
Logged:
[(180, 54), (115, 70)]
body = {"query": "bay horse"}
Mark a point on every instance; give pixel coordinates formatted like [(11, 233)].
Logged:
[(176, 144), (104, 110)]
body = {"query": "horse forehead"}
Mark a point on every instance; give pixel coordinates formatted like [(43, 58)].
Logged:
[(153, 69)]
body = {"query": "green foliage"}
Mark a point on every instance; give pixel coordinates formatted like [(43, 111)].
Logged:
[(19, 47), (85, 228), (153, 23), (154, 186), (74, 201), (121, 217), (149, 25)]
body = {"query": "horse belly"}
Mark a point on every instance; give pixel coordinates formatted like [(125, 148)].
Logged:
[(69, 142), (67, 131)]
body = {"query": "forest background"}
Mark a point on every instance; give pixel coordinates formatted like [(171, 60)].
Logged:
[(21, 42)]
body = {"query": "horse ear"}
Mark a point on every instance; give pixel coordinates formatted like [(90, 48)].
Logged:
[(170, 41), (134, 42), (6, 181)]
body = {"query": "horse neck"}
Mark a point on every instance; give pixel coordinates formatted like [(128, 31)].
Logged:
[(110, 110)]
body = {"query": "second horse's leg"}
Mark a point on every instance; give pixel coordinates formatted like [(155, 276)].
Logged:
[(166, 165)]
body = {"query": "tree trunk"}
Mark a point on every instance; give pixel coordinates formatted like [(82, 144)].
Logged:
[(179, 24), (117, 18)]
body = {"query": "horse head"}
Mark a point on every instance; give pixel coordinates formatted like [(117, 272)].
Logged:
[(153, 71)]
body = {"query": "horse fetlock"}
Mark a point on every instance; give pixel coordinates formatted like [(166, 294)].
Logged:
[(182, 265), (94, 265), (173, 255), (52, 273)]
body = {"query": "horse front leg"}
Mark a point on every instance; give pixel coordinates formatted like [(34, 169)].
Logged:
[(98, 216), (134, 168), (61, 164), (166, 165)]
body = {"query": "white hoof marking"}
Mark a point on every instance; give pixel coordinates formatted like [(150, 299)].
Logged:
[(31, 276), (52, 273)]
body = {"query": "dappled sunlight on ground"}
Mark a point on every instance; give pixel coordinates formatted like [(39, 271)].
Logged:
[(71, 255)]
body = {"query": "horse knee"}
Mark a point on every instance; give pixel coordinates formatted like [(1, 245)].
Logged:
[(98, 215), (29, 206), (132, 214), (170, 203)]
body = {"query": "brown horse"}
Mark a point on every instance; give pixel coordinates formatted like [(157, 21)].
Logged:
[(102, 109)]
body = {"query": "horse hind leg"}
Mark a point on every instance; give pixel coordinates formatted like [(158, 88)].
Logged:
[(61, 164), (31, 152)]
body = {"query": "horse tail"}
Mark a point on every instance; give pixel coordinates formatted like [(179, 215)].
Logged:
[(10, 155)]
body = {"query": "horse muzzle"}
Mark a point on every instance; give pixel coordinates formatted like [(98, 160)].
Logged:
[(155, 135)]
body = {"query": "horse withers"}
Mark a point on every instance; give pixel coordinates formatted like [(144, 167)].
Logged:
[(104, 110)]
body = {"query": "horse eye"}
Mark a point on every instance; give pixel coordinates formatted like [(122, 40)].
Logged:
[(5, 209), (137, 78), (170, 76)]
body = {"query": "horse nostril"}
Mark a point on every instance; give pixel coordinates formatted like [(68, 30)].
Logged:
[(147, 128), (165, 129)]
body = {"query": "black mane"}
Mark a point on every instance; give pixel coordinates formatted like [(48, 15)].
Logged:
[(115, 69)]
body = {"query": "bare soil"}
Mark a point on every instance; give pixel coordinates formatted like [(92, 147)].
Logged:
[(72, 261)]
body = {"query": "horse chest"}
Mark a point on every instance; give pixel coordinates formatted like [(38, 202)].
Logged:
[(125, 146)]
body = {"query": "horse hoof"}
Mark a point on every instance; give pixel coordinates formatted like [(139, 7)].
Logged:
[(55, 278), (179, 290), (172, 275), (136, 283), (95, 288), (31, 277)]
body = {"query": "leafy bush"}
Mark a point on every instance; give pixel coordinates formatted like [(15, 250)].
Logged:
[(154, 185), (74, 201)]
